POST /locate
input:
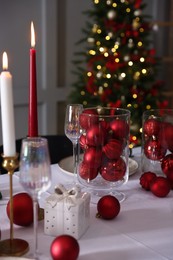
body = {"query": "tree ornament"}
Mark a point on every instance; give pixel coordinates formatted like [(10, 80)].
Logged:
[(137, 12), (130, 44), (87, 172), (160, 186), (92, 157), (146, 179), (113, 170), (64, 247), (90, 40), (151, 127), (120, 128), (99, 74), (113, 149), (109, 2), (167, 164), (108, 207), (126, 58), (95, 136), (154, 150), (111, 14), (22, 209)]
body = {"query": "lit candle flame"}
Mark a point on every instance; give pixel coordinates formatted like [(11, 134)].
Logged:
[(32, 35), (4, 61)]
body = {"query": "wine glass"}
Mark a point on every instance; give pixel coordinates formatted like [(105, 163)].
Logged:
[(35, 174), (73, 131)]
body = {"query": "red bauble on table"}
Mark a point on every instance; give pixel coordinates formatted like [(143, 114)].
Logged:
[(154, 150), (167, 164), (113, 149), (95, 136), (120, 128), (151, 127), (92, 157), (22, 209), (86, 172), (88, 119), (113, 170), (146, 179), (108, 207), (160, 187), (64, 247)]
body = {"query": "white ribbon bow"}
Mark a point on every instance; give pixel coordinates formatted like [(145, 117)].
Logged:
[(69, 196)]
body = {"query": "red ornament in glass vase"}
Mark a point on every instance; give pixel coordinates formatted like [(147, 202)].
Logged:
[(120, 128), (167, 164), (113, 170), (154, 150), (151, 127)]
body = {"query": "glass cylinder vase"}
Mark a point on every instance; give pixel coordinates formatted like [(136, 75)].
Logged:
[(157, 140), (105, 150)]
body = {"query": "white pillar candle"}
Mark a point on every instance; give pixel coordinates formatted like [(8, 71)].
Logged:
[(7, 110)]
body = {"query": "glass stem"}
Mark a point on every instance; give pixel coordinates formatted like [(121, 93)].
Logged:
[(75, 158), (35, 212)]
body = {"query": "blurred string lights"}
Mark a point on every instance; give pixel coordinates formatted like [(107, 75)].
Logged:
[(120, 63)]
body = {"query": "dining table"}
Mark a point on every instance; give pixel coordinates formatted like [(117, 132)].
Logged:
[(143, 229)]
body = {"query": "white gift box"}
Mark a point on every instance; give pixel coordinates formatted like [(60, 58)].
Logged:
[(67, 212)]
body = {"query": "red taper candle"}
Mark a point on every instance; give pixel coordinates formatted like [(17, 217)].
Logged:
[(33, 118)]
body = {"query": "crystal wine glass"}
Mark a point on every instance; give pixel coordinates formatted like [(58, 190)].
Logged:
[(73, 131), (35, 174)]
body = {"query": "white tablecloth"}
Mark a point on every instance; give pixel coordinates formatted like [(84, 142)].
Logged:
[(143, 229)]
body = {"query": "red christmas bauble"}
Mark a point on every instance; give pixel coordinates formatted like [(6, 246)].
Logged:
[(22, 209), (95, 136), (120, 128), (88, 118), (108, 207), (167, 164), (86, 172), (92, 157), (113, 149), (146, 179), (104, 125), (154, 150), (160, 187), (168, 135), (64, 247), (113, 170), (151, 127), (82, 141), (170, 179)]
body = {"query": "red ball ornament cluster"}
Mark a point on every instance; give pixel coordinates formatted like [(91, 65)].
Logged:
[(158, 144), (156, 140), (102, 141), (160, 186)]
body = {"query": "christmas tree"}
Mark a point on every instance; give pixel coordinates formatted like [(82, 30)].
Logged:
[(118, 66)]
